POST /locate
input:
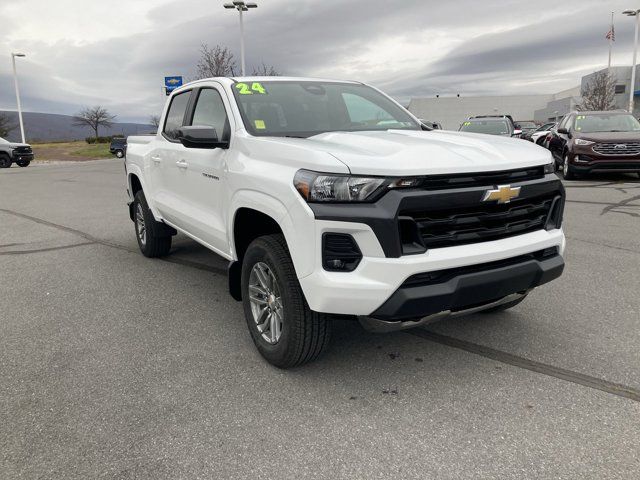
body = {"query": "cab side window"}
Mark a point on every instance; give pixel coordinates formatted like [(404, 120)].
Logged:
[(210, 112), (175, 115)]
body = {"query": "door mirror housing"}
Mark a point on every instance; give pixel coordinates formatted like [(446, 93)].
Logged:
[(516, 133), (200, 137), (563, 131)]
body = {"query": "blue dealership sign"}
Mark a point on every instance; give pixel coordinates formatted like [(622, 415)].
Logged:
[(171, 83)]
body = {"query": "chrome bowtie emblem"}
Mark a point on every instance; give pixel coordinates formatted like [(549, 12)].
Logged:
[(502, 194)]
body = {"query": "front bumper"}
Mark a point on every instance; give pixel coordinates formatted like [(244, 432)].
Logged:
[(22, 157), (461, 289), (377, 278), (586, 161)]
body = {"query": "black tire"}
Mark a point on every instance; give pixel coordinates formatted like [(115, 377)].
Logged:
[(157, 242), (5, 161), (504, 306), (119, 153), (304, 334), (23, 163), (567, 170)]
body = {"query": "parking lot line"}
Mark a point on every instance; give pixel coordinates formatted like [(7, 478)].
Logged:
[(521, 362)]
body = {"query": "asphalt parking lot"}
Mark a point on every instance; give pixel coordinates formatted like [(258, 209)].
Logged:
[(116, 366)]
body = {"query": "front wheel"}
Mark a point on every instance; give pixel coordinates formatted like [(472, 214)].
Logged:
[(23, 163), (119, 153), (284, 329), (5, 161), (153, 242), (567, 169)]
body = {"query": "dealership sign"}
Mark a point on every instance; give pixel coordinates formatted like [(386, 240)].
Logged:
[(171, 83)]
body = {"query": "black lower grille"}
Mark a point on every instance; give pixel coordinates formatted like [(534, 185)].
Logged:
[(22, 150), (481, 222)]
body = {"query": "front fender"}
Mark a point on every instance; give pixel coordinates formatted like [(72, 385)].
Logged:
[(296, 225)]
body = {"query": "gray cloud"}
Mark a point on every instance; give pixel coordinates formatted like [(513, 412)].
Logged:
[(408, 48)]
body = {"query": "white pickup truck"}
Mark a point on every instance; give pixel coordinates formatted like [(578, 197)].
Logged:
[(331, 201)]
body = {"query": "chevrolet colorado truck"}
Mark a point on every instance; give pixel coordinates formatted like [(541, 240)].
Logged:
[(19, 153), (331, 201)]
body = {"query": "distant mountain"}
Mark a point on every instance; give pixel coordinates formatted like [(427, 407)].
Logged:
[(39, 127)]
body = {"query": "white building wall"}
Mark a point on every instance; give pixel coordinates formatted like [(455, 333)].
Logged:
[(450, 112)]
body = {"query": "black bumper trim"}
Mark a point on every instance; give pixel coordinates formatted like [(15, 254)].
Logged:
[(468, 290)]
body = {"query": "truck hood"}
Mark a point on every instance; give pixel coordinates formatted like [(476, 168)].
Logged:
[(16, 145), (609, 137), (409, 152)]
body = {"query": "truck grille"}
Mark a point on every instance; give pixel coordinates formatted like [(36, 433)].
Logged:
[(617, 148), (481, 222), (22, 150)]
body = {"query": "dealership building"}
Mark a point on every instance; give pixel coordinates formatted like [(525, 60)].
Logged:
[(450, 112)]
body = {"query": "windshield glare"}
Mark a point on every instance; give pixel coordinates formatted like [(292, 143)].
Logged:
[(304, 108), (606, 123), (491, 127)]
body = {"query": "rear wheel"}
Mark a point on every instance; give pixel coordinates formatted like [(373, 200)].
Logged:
[(152, 238), (119, 153), (23, 163), (567, 169), (284, 329), (5, 161)]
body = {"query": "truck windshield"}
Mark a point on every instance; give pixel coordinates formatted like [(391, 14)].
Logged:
[(606, 123), (307, 108), (491, 127)]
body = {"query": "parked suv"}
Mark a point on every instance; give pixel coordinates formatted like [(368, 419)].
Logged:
[(590, 142), (330, 201), (118, 146), (491, 126), (19, 153)]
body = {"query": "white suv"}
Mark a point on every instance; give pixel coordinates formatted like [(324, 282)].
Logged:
[(330, 199)]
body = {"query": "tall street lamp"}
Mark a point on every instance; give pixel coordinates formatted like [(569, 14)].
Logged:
[(241, 6), (633, 13), (15, 80)]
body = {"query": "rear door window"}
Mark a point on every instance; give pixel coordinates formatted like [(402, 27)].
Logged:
[(175, 115)]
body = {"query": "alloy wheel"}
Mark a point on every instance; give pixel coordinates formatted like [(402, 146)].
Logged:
[(266, 302), (140, 225)]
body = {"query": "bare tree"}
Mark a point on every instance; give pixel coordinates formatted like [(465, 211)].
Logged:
[(6, 126), (154, 120), (265, 70), (215, 62), (93, 117), (599, 93)]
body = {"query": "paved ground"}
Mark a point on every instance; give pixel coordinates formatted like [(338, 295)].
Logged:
[(116, 366)]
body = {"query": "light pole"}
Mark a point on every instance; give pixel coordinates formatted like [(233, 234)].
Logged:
[(241, 6), (15, 80), (633, 13)]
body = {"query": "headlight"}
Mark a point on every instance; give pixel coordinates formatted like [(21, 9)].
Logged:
[(321, 187), (550, 168), (579, 141)]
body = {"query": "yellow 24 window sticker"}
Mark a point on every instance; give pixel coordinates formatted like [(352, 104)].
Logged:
[(246, 89), (260, 124), (466, 124)]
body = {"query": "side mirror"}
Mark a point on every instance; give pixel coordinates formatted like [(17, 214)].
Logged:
[(563, 131), (517, 132), (200, 137)]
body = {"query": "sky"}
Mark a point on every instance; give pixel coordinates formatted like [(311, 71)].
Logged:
[(115, 53)]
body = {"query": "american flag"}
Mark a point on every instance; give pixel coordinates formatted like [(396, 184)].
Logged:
[(611, 35)]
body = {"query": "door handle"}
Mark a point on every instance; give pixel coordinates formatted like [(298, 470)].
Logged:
[(182, 164), (156, 159)]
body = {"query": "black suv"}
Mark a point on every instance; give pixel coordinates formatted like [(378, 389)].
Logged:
[(118, 146), (590, 142)]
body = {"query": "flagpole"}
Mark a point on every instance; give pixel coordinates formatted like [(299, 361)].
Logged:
[(610, 43)]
